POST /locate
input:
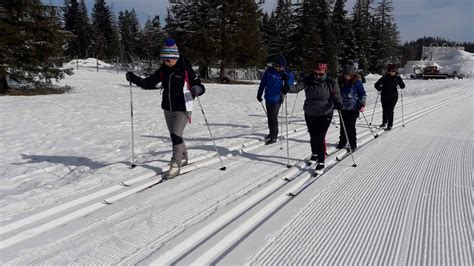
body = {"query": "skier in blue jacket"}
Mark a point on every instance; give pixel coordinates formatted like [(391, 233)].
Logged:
[(273, 82), (353, 102)]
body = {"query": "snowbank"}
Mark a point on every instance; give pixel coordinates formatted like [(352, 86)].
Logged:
[(89, 62), (458, 61)]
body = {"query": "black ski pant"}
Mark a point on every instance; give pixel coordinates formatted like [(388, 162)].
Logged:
[(349, 118), (272, 114), (388, 105), (318, 127)]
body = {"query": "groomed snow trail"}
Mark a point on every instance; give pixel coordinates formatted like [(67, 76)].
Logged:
[(409, 202), (142, 226)]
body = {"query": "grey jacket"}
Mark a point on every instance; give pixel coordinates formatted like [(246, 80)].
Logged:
[(321, 96)]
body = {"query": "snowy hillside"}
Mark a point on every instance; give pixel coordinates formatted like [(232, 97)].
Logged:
[(69, 196)]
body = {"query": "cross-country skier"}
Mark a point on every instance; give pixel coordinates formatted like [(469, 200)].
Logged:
[(180, 86), (274, 79), (353, 102), (322, 97), (387, 85)]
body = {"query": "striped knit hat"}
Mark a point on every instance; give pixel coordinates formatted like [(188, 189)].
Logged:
[(169, 50)]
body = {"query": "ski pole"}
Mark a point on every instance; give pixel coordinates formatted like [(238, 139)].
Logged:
[(265, 110), (373, 112), (293, 109), (403, 116), (371, 131), (347, 138), (132, 165), (287, 141), (281, 127), (223, 168)]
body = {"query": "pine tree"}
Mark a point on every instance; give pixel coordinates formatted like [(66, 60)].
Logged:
[(32, 43), (106, 39), (77, 23), (217, 30), (84, 31), (386, 41), (315, 40), (343, 33), (130, 35), (71, 14), (152, 38), (283, 22), (361, 20)]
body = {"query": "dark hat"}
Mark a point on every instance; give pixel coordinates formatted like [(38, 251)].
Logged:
[(391, 67), (280, 60), (348, 70)]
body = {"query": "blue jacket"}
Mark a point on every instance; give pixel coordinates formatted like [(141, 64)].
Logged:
[(272, 84), (353, 95)]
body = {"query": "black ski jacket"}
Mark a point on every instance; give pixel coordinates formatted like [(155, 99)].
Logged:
[(172, 82), (387, 84)]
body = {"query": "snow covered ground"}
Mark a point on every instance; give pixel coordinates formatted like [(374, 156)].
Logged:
[(407, 202)]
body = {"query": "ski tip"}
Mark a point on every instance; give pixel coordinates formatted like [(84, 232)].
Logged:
[(354, 165), (124, 184), (223, 168), (106, 202), (291, 194)]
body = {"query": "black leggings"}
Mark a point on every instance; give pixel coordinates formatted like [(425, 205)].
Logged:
[(349, 118), (272, 115), (318, 127), (388, 105)]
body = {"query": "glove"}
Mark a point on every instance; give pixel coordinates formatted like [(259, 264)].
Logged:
[(337, 106), (196, 90), (130, 76), (282, 99), (284, 76), (259, 98), (362, 109), (285, 89), (359, 106)]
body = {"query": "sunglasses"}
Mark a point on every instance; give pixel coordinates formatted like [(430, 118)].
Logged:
[(319, 74), (167, 60)]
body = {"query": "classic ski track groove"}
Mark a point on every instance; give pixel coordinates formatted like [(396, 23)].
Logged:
[(129, 183), (409, 117), (375, 248), (210, 157), (202, 160), (220, 248)]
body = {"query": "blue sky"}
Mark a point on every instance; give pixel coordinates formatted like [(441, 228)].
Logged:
[(451, 19)]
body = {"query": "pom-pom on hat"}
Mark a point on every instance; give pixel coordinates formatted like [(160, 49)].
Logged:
[(321, 67), (169, 50)]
